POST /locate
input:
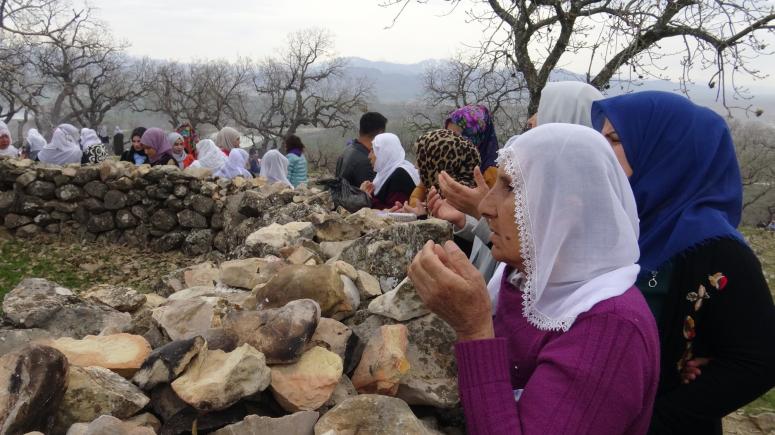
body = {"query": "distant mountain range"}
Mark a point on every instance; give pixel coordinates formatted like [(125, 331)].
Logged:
[(396, 83)]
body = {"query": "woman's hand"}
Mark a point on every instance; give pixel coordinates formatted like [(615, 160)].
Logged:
[(693, 370), (368, 187), (452, 288), (464, 198), (441, 209), (419, 210)]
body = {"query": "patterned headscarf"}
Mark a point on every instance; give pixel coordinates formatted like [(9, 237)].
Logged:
[(443, 150), (477, 125), (190, 138)]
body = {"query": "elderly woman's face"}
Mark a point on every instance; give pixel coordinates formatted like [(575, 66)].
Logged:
[(136, 144), (616, 144), (5, 141), (498, 208)]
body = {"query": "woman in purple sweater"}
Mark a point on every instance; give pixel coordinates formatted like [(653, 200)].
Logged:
[(573, 347)]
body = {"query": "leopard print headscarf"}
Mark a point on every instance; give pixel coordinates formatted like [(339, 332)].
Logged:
[(443, 150)]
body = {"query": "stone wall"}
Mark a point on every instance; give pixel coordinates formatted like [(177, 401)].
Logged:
[(161, 207)]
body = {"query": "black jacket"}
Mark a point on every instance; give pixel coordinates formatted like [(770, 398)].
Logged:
[(354, 165), (734, 325)]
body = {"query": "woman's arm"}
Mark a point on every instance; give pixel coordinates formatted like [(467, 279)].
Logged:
[(597, 378), (739, 330)]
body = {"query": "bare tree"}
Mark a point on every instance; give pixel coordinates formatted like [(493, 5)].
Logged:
[(755, 147), (304, 85), (197, 92), (464, 80), (622, 37)]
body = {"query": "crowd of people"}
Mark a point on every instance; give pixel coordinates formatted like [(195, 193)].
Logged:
[(222, 155), (597, 281), (605, 287)]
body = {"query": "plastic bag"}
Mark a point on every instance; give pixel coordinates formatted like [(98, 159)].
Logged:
[(345, 195)]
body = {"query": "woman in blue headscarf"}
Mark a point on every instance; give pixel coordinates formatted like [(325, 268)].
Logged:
[(703, 283)]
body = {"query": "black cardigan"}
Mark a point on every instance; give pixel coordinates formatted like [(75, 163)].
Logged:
[(734, 325)]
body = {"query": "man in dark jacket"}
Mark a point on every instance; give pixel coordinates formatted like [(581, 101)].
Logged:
[(354, 165)]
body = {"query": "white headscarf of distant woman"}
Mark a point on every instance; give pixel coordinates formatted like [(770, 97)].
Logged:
[(274, 167), (209, 156), (10, 150), (181, 156), (235, 165), (578, 230), (63, 148), (227, 139), (36, 140), (390, 155), (88, 138), (567, 102)]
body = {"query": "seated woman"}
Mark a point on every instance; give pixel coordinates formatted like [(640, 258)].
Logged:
[(6, 149), (236, 165), (93, 149), (703, 283), (297, 163), (227, 139), (274, 167), (396, 178), (157, 147), (35, 143), (182, 158), (136, 153), (573, 347), (64, 148)]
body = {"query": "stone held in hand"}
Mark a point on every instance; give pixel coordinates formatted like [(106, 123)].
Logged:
[(281, 334), (307, 384), (33, 381), (216, 380), (121, 353), (371, 414), (166, 363), (384, 361)]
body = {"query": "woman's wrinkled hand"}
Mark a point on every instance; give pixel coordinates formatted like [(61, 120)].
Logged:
[(464, 198), (441, 209), (452, 288)]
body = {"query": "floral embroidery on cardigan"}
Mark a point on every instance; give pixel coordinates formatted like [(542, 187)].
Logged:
[(718, 281)]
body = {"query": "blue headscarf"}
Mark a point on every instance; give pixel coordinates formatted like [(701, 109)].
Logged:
[(686, 179)]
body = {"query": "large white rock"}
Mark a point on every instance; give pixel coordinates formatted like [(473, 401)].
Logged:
[(402, 303), (270, 239), (189, 317), (216, 380)]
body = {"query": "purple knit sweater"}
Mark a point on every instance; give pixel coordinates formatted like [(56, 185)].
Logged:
[(600, 377)]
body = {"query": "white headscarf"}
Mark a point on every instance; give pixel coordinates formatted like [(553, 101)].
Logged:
[(209, 156), (390, 155), (274, 167), (179, 158), (235, 165), (577, 220), (89, 138), (227, 138), (11, 151), (36, 140), (63, 148), (568, 102)]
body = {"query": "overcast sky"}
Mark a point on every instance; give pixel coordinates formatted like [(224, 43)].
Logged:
[(228, 29)]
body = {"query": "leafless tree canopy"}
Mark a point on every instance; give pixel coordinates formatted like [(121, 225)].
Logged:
[(755, 146), (622, 37), (476, 79), (304, 85)]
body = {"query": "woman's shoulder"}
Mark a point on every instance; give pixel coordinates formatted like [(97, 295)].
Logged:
[(629, 308), (724, 252)]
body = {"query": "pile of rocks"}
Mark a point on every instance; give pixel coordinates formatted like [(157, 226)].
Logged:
[(311, 327)]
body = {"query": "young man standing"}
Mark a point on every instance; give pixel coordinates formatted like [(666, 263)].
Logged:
[(354, 165)]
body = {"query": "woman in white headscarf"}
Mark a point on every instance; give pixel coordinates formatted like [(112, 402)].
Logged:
[(178, 149), (92, 146), (396, 177), (6, 149), (274, 167), (63, 148), (209, 156), (572, 336), (35, 143), (236, 165)]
